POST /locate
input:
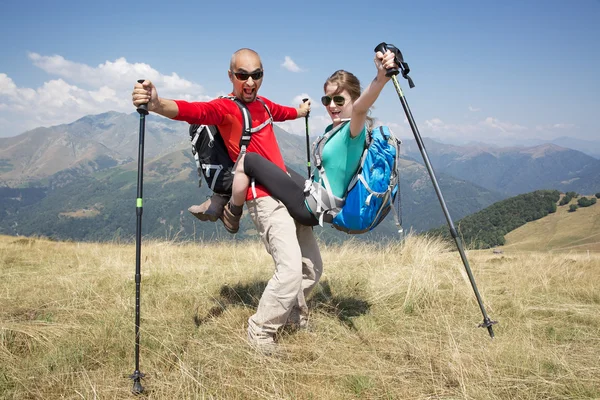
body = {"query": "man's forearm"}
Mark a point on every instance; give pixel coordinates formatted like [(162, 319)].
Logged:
[(167, 108)]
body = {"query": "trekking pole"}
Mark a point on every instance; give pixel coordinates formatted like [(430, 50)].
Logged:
[(137, 375), (307, 141), (487, 323)]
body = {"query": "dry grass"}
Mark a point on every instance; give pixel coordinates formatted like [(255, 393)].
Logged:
[(397, 322)]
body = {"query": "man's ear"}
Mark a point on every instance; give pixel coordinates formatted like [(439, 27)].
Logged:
[(230, 75)]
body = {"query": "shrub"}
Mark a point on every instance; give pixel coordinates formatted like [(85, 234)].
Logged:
[(568, 197), (585, 202), (573, 208)]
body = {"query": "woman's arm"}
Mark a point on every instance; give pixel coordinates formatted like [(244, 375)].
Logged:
[(361, 106)]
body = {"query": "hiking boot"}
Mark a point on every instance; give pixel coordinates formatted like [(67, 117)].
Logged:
[(264, 345), (211, 209), (230, 220), (297, 321)]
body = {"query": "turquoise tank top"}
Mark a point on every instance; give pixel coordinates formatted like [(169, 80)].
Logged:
[(341, 158)]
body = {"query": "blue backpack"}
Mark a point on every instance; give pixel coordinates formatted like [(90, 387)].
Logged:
[(372, 191)]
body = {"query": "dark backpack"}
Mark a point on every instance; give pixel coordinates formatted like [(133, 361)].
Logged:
[(212, 159)]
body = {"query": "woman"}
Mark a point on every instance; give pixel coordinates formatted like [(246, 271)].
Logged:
[(348, 109)]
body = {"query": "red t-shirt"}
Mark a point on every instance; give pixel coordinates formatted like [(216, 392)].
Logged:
[(227, 116)]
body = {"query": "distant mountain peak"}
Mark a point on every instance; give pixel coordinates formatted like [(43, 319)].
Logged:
[(543, 150)]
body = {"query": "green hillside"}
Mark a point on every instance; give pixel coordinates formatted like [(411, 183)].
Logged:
[(487, 228), (561, 231), (93, 198), (101, 207)]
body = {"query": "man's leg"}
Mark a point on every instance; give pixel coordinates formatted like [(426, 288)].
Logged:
[(312, 269), (278, 232)]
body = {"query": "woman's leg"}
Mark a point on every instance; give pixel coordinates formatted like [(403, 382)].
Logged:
[(280, 185), (232, 212), (240, 184)]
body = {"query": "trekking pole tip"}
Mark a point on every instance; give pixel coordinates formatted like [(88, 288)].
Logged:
[(142, 108), (487, 323), (137, 384), (137, 388)]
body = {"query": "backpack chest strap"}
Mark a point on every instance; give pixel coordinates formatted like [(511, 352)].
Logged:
[(247, 129), (247, 132)]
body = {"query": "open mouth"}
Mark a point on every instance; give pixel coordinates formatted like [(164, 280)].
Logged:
[(249, 91)]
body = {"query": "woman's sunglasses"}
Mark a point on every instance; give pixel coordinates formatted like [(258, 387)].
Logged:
[(338, 100), (243, 76)]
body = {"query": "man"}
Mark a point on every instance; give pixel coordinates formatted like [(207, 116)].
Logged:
[(298, 264)]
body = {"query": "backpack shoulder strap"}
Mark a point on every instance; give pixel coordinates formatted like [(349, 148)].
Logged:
[(268, 121), (247, 129), (318, 145), (333, 204), (246, 123)]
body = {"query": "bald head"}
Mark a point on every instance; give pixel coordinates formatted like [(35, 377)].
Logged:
[(245, 73), (246, 54)]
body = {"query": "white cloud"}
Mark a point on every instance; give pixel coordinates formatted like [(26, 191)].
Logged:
[(299, 99), (117, 74), (474, 109), (489, 129), (290, 65), (563, 126), (318, 120), (401, 131), (435, 124), (555, 127), (316, 125), (80, 90), (505, 127)]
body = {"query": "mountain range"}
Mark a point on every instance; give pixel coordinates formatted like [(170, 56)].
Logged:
[(513, 170), (78, 181)]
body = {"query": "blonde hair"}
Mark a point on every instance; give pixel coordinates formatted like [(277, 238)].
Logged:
[(345, 80)]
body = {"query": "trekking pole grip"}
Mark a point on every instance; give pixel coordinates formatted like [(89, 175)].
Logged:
[(382, 47), (142, 108), (304, 101), (307, 141)]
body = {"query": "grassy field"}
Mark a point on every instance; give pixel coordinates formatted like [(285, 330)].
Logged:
[(562, 231), (398, 322)]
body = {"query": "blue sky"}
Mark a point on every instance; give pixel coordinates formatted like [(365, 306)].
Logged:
[(492, 71)]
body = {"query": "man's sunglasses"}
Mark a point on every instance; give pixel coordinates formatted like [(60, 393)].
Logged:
[(243, 76), (338, 100)]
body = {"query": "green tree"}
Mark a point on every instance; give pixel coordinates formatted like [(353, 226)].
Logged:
[(487, 227), (573, 208), (598, 195), (567, 198), (585, 202)]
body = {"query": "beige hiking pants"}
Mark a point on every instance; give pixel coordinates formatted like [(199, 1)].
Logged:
[(298, 266)]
